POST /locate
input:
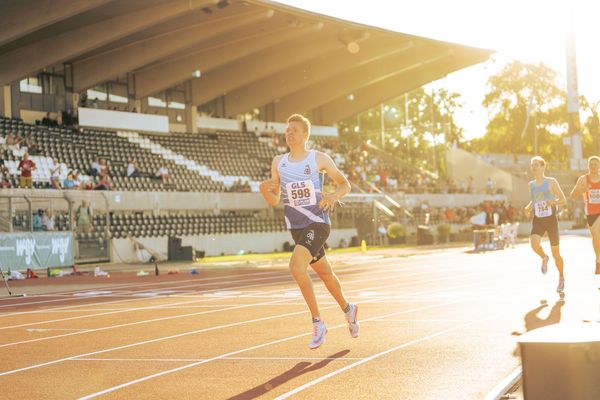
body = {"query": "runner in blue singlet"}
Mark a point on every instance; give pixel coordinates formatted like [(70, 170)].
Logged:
[(546, 195), (297, 179)]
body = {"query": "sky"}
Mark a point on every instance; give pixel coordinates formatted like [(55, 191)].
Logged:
[(528, 30)]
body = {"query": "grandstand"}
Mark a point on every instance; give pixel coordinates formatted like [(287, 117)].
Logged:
[(150, 125), (193, 97)]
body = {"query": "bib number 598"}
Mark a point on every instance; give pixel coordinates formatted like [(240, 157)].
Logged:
[(300, 194)]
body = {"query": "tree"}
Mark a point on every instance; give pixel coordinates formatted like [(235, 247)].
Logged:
[(527, 109), (411, 123), (591, 128)]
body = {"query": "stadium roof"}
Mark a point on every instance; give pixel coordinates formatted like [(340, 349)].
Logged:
[(249, 53)]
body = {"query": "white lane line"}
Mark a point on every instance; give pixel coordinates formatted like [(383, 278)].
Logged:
[(272, 274), (130, 299), (201, 331), (203, 312), (170, 371), (131, 324), (298, 303), (224, 358), (500, 390), (149, 341), (120, 311), (374, 356), (286, 276), (349, 281), (143, 308), (85, 310), (208, 329), (224, 278), (126, 294), (53, 329), (276, 273), (421, 320)]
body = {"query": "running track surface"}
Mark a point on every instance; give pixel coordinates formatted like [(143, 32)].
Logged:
[(440, 325)]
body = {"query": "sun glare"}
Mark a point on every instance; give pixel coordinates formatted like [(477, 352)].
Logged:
[(531, 31)]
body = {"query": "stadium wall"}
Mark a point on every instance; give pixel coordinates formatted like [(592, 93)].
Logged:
[(215, 201), (461, 164), (122, 249)]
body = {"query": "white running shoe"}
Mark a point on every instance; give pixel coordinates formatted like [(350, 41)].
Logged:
[(561, 285), (351, 317), (545, 264), (318, 338)]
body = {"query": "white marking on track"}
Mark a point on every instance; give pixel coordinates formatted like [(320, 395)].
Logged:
[(374, 356), (92, 293), (53, 329), (224, 358), (148, 377)]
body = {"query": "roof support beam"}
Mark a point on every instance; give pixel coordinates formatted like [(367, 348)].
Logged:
[(105, 66), (161, 76), (328, 90), (369, 96), (262, 64), (25, 16), (31, 58), (277, 85)]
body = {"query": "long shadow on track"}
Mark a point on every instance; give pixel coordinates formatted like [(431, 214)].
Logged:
[(299, 369)]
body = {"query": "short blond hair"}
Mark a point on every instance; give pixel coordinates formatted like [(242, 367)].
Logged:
[(302, 119), (592, 158), (540, 159)]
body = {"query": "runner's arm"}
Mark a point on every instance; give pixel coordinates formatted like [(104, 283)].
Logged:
[(326, 164), (270, 188), (557, 191), (579, 189)]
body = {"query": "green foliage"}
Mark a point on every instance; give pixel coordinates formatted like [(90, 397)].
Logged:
[(591, 127), (409, 122), (395, 230), (525, 101)]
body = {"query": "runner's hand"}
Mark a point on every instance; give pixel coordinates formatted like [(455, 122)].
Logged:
[(269, 186), (328, 201)]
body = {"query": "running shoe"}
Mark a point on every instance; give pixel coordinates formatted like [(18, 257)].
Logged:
[(318, 338), (561, 285), (545, 264), (351, 317)]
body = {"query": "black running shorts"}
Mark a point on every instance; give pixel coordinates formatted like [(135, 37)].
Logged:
[(546, 224), (313, 237)]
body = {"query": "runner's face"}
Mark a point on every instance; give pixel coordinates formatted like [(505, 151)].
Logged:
[(537, 168), (294, 134), (593, 166)]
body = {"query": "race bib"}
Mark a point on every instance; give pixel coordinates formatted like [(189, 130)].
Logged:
[(594, 196), (301, 194), (542, 210)]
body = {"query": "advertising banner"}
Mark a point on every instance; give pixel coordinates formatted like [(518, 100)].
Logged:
[(35, 250)]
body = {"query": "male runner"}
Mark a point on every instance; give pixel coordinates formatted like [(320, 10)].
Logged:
[(546, 195), (296, 177), (588, 185)]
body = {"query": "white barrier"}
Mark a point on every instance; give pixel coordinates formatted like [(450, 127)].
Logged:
[(106, 119), (214, 245)]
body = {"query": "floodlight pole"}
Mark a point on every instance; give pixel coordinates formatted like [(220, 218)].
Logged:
[(575, 153)]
